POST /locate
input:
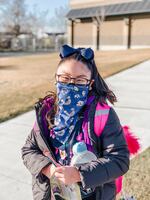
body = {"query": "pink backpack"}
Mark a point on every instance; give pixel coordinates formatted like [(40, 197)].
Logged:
[(100, 119)]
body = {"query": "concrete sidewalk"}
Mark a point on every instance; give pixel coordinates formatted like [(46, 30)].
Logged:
[(132, 87), (133, 108)]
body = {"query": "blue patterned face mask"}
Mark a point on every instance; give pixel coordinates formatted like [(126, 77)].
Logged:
[(71, 98)]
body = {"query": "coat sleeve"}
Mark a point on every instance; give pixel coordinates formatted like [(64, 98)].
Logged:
[(32, 156), (115, 156)]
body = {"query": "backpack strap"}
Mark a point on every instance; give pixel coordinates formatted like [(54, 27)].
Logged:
[(100, 119)]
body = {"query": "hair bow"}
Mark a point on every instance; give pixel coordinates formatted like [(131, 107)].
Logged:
[(86, 53)]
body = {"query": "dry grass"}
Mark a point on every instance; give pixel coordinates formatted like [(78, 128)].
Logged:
[(137, 179), (24, 79)]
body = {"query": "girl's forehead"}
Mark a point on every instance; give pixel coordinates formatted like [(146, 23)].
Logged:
[(73, 67)]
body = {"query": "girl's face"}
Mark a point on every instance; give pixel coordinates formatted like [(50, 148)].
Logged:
[(75, 69)]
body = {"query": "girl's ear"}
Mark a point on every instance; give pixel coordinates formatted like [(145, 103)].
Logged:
[(92, 81)]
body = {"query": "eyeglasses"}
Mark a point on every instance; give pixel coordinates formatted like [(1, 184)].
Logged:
[(67, 79)]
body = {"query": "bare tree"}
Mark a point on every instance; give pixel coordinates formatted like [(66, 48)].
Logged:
[(2, 2), (59, 21), (20, 20), (16, 16), (99, 19), (37, 20)]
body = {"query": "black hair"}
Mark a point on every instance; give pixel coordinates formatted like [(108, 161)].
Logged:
[(99, 87)]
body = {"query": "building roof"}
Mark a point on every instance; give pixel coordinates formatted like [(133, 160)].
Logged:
[(111, 10)]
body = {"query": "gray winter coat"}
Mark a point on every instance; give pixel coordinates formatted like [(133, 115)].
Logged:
[(110, 147)]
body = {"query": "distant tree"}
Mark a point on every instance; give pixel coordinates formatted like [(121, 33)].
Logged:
[(19, 19), (2, 2), (99, 19), (16, 16), (59, 21), (37, 19)]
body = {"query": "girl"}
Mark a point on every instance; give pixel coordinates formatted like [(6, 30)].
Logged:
[(60, 124)]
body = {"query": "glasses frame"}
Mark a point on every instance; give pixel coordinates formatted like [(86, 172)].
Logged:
[(57, 75)]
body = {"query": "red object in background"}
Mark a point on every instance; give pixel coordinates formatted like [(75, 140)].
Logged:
[(132, 141), (133, 146)]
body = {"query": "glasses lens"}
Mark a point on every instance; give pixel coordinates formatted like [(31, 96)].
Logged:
[(81, 81), (63, 78), (66, 79)]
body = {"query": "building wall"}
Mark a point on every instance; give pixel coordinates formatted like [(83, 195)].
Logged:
[(112, 35), (83, 34), (112, 32), (140, 31), (92, 3)]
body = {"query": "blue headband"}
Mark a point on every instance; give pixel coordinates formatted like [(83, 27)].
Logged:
[(86, 53)]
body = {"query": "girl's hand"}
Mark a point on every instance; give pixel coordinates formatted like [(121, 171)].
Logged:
[(67, 174), (49, 170)]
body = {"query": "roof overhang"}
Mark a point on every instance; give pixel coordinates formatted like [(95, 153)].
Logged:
[(131, 8)]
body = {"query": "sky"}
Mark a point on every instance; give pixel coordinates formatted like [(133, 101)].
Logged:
[(49, 5), (46, 5)]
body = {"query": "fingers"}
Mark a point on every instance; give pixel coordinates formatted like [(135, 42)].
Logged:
[(60, 172), (60, 169), (46, 153), (59, 175), (67, 174), (63, 181)]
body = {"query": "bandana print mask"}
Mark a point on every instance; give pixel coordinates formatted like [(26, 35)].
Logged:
[(71, 98)]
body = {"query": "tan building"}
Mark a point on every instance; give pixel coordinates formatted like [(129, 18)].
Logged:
[(109, 24)]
